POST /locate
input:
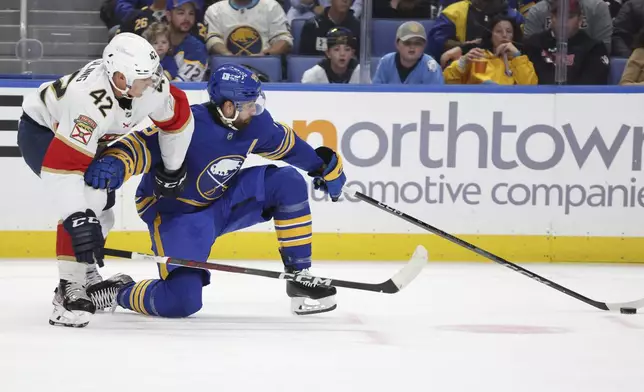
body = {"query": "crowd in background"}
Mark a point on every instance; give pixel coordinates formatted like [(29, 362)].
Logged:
[(466, 42)]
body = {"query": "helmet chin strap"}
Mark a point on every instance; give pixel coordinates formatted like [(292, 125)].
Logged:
[(124, 93), (228, 121)]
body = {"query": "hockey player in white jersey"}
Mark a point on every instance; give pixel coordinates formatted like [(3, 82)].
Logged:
[(63, 126), (247, 28)]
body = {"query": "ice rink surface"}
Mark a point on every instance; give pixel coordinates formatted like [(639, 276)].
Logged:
[(457, 327)]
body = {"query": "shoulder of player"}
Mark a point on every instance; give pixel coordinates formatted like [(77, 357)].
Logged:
[(91, 77), (92, 97), (264, 124), (200, 114)]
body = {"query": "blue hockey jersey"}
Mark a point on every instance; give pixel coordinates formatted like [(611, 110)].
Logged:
[(191, 58), (215, 155)]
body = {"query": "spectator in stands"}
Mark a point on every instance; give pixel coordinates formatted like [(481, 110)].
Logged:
[(338, 14), (595, 19), (520, 5), (307, 9), (158, 35), (189, 53), (127, 9), (634, 70), (409, 65), (587, 58), (626, 26), (340, 65), (462, 24), (496, 61), (156, 12), (248, 28), (402, 9)]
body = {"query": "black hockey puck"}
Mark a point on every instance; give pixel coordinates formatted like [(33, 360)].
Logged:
[(628, 310)]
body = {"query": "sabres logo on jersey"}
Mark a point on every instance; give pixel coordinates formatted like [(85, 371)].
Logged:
[(244, 41), (211, 183)]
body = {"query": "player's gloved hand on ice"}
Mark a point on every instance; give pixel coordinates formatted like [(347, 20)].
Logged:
[(87, 237), (107, 172), (169, 184), (330, 178)]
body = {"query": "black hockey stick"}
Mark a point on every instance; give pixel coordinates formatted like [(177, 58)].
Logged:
[(393, 285), (597, 304)]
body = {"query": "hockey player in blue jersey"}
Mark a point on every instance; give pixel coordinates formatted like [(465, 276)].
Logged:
[(219, 197)]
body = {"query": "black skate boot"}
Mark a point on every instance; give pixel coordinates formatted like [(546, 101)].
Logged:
[(103, 294), (323, 296), (72, 306)]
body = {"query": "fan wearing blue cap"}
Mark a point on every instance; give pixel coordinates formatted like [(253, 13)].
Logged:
[(189, 53), (141, 14), (222, 197)]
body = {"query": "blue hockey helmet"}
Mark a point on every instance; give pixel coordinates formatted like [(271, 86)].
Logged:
[(239, 85)]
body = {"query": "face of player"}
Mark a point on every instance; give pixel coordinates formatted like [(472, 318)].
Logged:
[(182, 18), (340, 55), (572, 25), (502, 33), (161, 45), (341, 5), (245, 115), (411, 50)]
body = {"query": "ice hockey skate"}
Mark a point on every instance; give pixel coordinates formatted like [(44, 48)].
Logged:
[(72, 306), (309, 298), (103, 294)]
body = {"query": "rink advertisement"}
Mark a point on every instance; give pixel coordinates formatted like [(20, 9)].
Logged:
[(531, 176)]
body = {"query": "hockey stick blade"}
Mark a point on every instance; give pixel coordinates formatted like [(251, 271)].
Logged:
[(401, 279), (615, 307)]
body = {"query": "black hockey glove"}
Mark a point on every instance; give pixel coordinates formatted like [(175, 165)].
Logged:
[(169, 184), (87, 237)]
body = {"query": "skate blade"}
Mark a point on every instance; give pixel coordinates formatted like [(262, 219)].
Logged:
[(301, 308), (67, 318)]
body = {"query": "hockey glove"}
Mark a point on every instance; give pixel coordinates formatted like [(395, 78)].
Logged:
[(107, 172), (87, 237), (169, 184), (330, 178)]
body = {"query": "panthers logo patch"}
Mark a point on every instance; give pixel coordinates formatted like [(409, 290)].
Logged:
[(244, 41), (211, 183)]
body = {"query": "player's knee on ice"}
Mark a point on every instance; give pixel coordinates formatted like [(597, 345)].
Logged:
[(180, 294), (285, 186)]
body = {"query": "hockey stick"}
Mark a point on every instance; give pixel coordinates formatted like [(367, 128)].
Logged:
[(393, 285), (597, 304)]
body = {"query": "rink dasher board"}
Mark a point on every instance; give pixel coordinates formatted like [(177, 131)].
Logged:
[(529, 173)]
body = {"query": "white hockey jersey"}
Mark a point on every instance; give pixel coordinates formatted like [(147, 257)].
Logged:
[(83, 112), (249, 30)]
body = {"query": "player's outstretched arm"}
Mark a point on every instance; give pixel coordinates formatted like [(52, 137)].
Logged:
[(132, 155), (176, 124), (324, 164)]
